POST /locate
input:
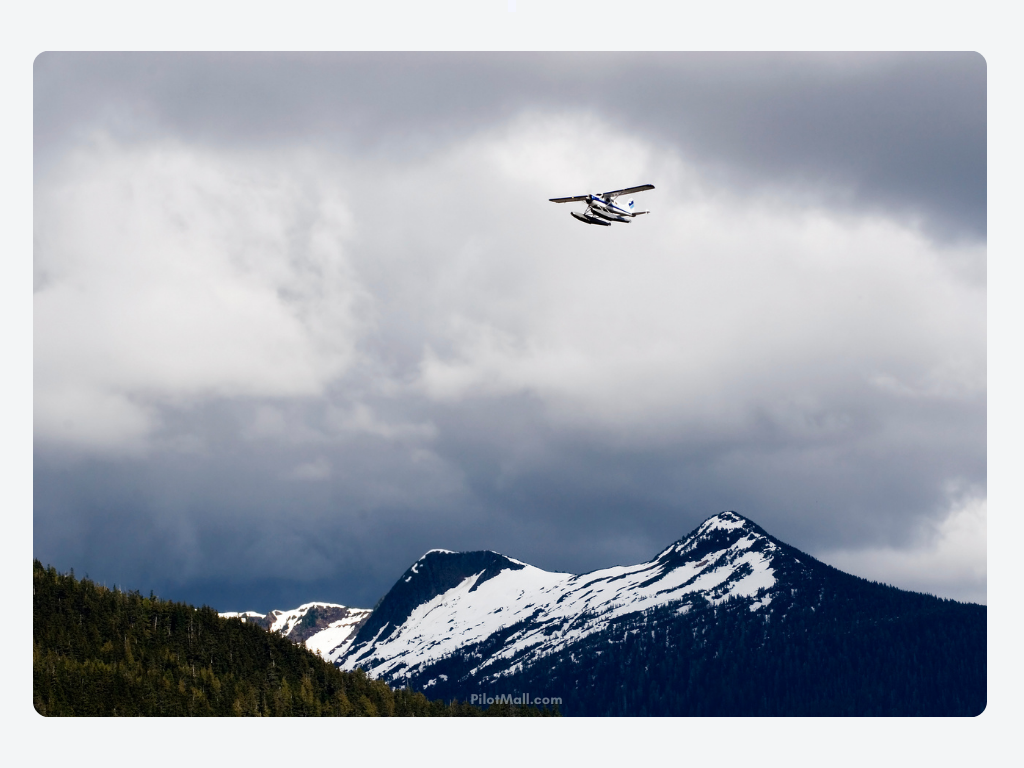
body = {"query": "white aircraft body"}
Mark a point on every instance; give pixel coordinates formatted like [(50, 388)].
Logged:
[(602, 210)]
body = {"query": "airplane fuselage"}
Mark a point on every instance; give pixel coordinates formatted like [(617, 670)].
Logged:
[(608, 209)]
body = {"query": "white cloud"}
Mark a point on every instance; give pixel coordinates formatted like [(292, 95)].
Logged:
[(167, 274), (714, 306), (949, 557)]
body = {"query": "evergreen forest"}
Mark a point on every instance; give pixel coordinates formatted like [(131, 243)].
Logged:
[(99, 651)]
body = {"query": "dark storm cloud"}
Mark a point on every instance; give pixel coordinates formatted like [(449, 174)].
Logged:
[(300, 318), (234, 530), (900, 134), (811, 493)]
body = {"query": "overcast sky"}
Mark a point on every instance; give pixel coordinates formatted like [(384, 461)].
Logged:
[(300, 318)]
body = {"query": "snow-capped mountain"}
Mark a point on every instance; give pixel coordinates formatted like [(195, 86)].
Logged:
[(324, 628), (448, 601), (648, 638)]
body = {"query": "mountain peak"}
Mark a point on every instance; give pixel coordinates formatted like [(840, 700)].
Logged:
[(724, 521), (718, 532), (437, 572), (438, 551)]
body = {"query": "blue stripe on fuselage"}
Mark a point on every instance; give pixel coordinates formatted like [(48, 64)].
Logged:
[(601, 202)]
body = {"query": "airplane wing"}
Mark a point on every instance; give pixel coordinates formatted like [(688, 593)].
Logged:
[(569, 199), (629, 191)]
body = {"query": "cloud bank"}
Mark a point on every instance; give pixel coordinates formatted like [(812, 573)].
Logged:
[(304, 362)]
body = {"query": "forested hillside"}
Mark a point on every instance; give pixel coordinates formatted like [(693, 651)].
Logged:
[(98, 651), (862, 649)]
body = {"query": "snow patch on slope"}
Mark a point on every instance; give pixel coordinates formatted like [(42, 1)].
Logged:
[(329, 642), (556, 610)]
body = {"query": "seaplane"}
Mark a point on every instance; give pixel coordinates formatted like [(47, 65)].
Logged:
[(602, 209)]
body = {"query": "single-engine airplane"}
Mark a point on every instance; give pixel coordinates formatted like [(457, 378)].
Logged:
[(601, 209)]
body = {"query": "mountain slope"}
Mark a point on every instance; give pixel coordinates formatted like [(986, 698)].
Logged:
[(709, 626), (447, 600), (324, 628)]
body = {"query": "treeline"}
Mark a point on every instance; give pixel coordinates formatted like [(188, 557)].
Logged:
[(98, 651), (729, 662)]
